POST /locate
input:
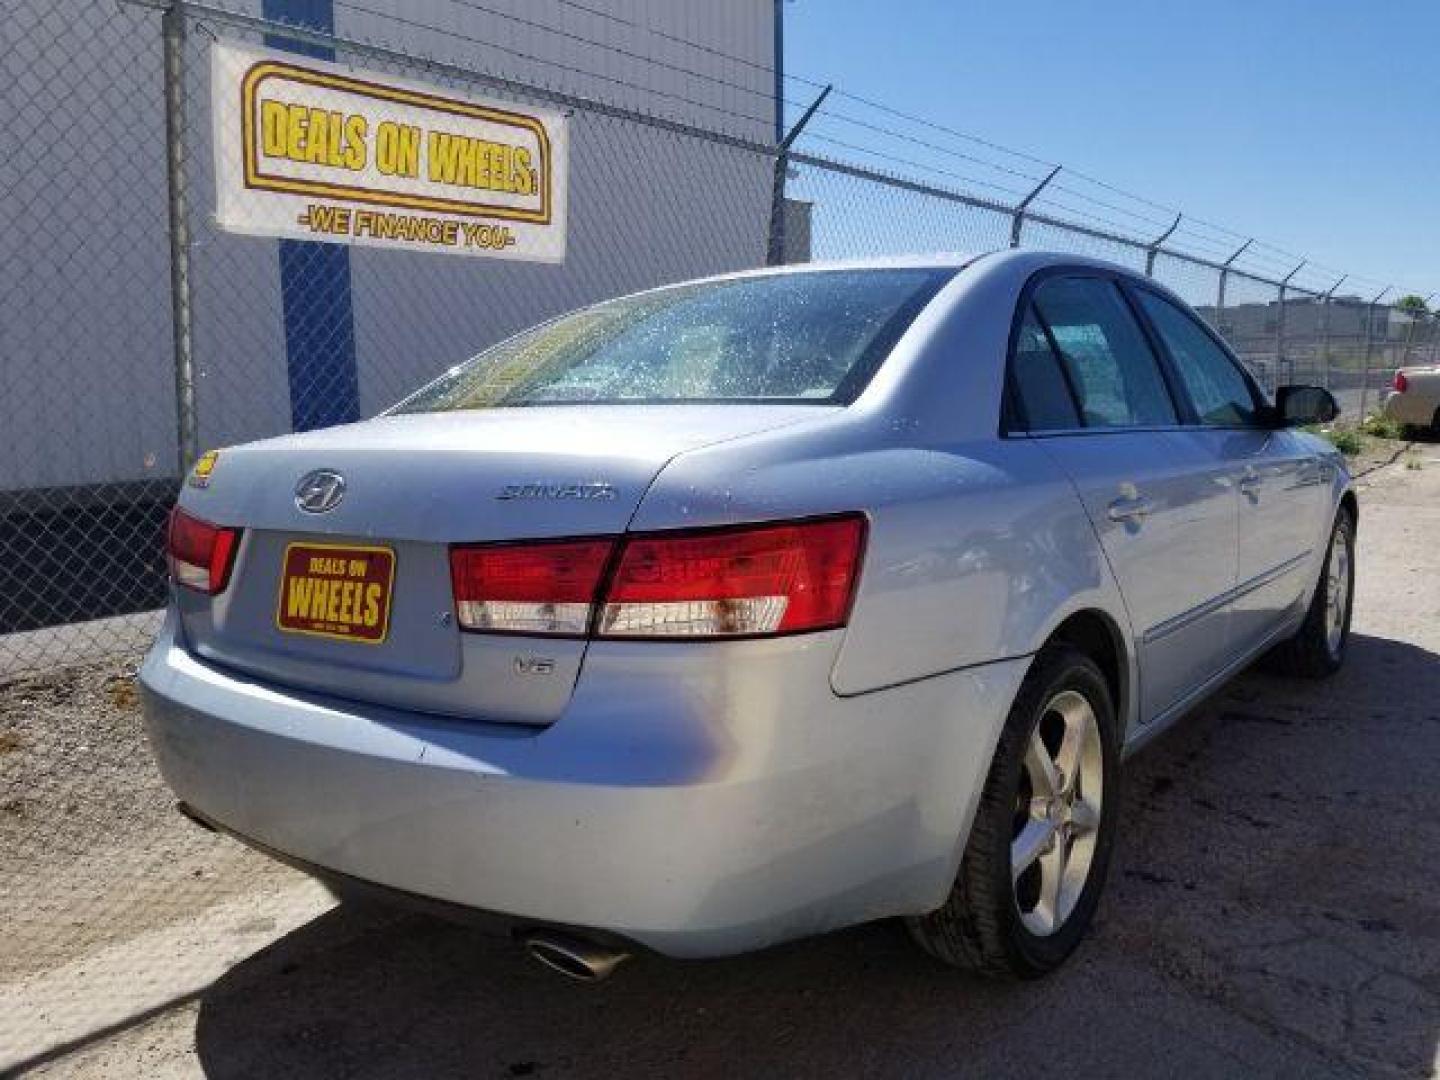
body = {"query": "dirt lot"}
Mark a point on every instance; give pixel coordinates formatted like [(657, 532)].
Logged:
[(1274, 909)]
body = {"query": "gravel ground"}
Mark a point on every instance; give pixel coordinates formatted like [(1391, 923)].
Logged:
[(1273, 909), (90, 848)]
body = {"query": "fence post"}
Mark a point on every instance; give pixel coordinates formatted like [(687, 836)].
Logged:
[(1220, 287), (1154, 248), (1325, 331), (775, 256), (1433, 328), (1409, 337), (1017, 215), (1280, 327), (1369, 347), (187, 441), (1411, 320)]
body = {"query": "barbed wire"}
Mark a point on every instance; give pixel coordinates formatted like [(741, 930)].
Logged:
[(891, 133), (1193, 229), (909, 163), (520, 54), (1190, 225), (768, 95), (1217, 242)]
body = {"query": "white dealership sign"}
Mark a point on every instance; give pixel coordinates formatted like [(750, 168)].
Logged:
[(318, 151)]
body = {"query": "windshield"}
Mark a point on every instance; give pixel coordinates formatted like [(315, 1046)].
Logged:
[(807, 337)]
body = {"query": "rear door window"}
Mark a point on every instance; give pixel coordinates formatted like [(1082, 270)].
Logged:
[(1112, 369)]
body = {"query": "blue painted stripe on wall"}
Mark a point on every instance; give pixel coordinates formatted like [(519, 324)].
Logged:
[(315, 281)]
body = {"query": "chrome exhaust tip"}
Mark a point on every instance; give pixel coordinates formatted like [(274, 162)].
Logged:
[(574, 958)]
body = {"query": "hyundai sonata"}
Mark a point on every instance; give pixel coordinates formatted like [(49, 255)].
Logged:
[(752, 607)]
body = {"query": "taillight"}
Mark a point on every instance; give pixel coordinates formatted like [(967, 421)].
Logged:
[(729, 582), (1401, 383), (536, 588), (201, 554), (763, 579)]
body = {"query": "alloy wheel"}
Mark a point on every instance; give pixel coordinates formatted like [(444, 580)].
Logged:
[(1057, 813), (1337, 589)]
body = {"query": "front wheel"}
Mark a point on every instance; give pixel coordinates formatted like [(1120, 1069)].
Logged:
[(1038, 850), (1318, 647)]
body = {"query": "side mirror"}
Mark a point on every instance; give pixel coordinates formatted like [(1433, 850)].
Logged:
[(1299, 405)]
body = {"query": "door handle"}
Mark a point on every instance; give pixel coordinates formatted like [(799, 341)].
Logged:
[(1135, 509)]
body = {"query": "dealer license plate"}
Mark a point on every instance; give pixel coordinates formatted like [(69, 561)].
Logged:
[(336, 591)]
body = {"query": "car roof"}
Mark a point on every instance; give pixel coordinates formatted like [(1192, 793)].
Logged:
[(1020, 261)]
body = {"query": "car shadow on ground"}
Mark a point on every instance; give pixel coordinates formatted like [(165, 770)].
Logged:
[(1272, 909)]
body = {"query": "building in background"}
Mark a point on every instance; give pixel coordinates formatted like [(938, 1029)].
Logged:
[(88, 432), (1306, 317)]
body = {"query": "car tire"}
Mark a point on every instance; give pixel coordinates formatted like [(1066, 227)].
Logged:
[(1318, 648), (992, 922)]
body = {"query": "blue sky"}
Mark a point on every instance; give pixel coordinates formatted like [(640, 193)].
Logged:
[(1310, 125)]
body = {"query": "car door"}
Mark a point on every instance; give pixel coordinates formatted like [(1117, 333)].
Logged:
[(1090, 388), (1277, 477)]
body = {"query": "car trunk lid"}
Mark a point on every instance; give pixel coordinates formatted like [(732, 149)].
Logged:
[(356, 601)]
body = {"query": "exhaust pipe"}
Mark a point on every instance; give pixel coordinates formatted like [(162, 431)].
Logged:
[(577, 959)]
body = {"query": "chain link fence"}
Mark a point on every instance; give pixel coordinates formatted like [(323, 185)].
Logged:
[(126, 353), (134, 332)]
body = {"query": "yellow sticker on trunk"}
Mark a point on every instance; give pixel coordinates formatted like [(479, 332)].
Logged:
[(200, 474)]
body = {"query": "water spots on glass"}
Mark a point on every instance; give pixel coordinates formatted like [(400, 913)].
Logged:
[(812, 337)]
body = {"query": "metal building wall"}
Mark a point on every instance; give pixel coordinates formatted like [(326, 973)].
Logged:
[(85, 386), (84, 291)]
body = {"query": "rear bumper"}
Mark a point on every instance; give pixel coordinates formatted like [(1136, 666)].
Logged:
[(700, 799)]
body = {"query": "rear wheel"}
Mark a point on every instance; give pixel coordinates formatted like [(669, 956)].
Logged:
[(1318, 647), (1038, 850)]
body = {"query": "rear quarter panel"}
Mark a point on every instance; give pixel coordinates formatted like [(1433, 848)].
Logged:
[(976, 551)]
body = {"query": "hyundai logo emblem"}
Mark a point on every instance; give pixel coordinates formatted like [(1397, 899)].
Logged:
[(319, 491)]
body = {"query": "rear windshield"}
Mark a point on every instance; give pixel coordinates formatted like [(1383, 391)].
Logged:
[(806, 337)]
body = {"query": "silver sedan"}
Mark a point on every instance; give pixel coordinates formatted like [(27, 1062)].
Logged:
[(749, 608)]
